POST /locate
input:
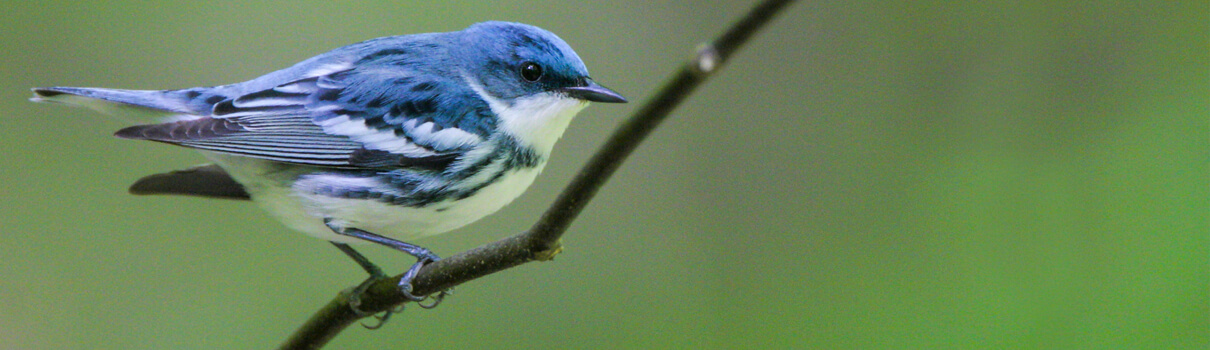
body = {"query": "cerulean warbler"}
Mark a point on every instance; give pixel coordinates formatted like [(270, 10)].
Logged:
[(386, 140)]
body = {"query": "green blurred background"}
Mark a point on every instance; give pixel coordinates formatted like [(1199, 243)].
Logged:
[(862, 175)]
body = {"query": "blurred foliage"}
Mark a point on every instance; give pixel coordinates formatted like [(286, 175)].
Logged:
[(863, 175)]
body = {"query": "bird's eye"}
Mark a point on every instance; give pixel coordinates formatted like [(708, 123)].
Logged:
[(531, 71)]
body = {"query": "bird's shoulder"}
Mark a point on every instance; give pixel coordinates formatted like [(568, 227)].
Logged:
[(430, 107), (385, 101)]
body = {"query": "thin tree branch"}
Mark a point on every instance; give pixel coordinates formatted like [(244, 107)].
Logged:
[(541, 242)]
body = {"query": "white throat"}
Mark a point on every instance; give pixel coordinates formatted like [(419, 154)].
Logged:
[(536, 121)]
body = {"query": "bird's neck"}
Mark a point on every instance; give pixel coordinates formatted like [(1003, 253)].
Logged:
[(538, 121), (535, 121)]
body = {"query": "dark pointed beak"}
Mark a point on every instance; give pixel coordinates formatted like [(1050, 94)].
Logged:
[(591, 91)]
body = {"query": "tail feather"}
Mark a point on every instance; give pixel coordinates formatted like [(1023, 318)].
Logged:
[(206, 181), (169, 104)]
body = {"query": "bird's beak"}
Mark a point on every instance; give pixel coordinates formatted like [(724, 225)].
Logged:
[(591, 91)]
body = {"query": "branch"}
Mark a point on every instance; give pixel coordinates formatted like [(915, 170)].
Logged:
[(541, 242)]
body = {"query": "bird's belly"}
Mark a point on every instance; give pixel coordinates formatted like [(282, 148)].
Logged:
[(305, 211)]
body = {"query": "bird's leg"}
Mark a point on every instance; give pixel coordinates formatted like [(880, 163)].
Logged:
[(375, 275), (423, 256), (355, 294)]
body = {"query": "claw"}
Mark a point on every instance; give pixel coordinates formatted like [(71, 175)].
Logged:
[(423, 257), (355, 305), (405, 283), (354, 295), (382, 320), (436, 299)]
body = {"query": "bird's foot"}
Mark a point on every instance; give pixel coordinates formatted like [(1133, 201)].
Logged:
[(405, 283)]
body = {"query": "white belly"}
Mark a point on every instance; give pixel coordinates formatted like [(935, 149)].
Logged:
[(304, 211)]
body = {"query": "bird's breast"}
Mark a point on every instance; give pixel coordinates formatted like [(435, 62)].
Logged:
[(397, 221), (401, 204)]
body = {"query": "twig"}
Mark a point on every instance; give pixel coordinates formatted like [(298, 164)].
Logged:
[(541, 242)]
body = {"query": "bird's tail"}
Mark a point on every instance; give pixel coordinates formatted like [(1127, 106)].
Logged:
[(144, 105)]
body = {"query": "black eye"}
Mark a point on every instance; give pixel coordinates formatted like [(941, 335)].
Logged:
[(531, 71)]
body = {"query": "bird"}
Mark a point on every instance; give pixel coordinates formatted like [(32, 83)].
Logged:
[(383, 141)]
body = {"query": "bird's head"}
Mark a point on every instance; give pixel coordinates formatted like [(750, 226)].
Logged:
[(532, 79)]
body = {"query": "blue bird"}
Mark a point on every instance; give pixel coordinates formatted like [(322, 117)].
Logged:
[(387, 140)]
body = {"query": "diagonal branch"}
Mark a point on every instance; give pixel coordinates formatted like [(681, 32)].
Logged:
[(541, 242)]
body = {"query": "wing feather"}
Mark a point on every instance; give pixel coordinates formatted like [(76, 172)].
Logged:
[(344, 118)]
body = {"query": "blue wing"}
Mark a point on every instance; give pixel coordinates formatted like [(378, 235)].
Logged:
[(358, 118)]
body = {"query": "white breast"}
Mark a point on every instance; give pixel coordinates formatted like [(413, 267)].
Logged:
[(401, 222), (301, 209), (535, 122)]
